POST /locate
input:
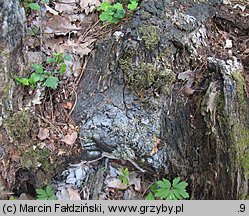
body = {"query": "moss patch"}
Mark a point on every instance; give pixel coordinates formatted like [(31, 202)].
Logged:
[(240, 130), (34, 158), (18, 126), (150, 36), (144, 76)]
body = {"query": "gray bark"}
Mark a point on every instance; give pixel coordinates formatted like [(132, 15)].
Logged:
[(12, 61), (160, 82), (12, 57)]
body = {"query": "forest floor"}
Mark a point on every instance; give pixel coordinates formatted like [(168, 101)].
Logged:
[(74, 29)]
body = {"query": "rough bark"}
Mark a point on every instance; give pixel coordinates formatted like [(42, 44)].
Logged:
[(160, 97), (12, 61)]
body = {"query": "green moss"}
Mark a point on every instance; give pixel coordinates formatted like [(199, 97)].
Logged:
[(240, 85), (33, 158), (143, 76), (18, 126), (241, 130), (242, 146), (150, 36)]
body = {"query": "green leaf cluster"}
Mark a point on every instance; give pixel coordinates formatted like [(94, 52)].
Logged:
[(48, 78), (45, 194), (124, 176), (164, 189), (115, 12)]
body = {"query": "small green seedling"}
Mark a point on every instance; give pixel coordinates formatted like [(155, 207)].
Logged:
[(45, 194), (111, 13), (166, 191), (124, 176), (48, 78), (114, 13)]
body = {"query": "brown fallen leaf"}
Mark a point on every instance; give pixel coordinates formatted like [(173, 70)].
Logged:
[(65, 7), (68, 105), (70, 46), (133, 180), (73, 194), (89, 5), (59, 24), (51, 10), (115, 183), (43, 133), (70, 138)]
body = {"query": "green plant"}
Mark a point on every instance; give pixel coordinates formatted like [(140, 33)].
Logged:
[(36, 6), (49, 77), (45, 194), (165, 190), (132, 5), (124, 176), (114, 13)]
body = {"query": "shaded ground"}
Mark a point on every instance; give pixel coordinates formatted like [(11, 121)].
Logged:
[(44, 157)]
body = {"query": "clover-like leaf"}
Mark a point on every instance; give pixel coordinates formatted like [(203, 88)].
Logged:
[(34, 6), (52, 82), (118, 6), (104, 6), (119, 14), (38, 68), (133, 5)]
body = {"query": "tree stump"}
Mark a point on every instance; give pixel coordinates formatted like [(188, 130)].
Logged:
[(158, 94)]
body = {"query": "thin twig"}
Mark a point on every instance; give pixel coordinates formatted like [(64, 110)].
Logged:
[(75, 102), (82, 71)]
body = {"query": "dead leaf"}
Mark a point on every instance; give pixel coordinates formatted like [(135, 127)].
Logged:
[(115, 183), (72, 47), (186, 75), (43, 133), (53, 43), (70, 138), (89, 5), (51, 10), (36, 57), (73, 194), (133, 180), (188, 90), (68, 105), (65, 7), (63, 194), (60, 25)]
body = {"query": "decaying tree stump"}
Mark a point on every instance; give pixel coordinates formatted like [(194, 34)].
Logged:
[(157, 94)]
